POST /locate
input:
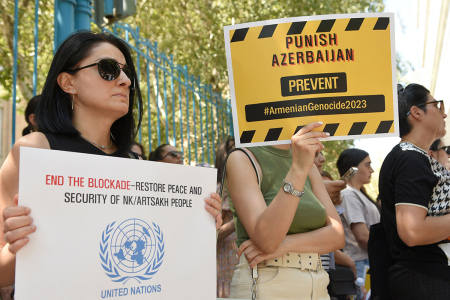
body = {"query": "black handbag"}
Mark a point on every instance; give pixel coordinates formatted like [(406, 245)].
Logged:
[(342, 282)]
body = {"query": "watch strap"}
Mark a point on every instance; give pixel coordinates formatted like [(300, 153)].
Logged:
[(292, 190)]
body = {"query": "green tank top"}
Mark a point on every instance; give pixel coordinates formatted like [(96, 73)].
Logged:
[(310, 214)]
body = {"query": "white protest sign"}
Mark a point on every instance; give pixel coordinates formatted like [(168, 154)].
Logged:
[(115, 228)]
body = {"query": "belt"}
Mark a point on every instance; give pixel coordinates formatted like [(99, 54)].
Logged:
[(303, 261)]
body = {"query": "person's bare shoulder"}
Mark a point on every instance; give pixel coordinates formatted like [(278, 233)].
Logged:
[(9, 172), (33, 140)]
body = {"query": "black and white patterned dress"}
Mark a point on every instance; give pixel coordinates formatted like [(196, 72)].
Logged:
[(409, 176), (439, 204)]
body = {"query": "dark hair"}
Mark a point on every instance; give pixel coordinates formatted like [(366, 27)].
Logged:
[(413, 95), (29, 110), (326, 174), (140, 147), (144, 157), (157, 153), (435, 145), (351, 158), (221, 154), (54, 111)]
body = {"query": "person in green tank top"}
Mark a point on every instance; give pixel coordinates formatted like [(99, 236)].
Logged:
[(284, 222)]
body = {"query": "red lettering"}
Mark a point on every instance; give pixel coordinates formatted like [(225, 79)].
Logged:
[(54, 180)]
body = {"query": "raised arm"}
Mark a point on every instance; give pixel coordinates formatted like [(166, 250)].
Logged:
[(268, 226)]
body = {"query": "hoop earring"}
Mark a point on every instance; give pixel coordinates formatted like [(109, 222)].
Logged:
[(73, 98)]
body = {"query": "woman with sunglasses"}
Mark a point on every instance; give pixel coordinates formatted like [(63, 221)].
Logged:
[(439, 152), (166, 153), (416, 205), (88, 105)]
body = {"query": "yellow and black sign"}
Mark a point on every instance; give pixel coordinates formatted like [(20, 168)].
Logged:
[(338, 69)]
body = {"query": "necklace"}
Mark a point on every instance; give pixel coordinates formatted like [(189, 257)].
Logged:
[(93, 143), (268, 148)]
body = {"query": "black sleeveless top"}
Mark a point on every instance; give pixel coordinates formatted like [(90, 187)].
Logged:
[(75, 143)]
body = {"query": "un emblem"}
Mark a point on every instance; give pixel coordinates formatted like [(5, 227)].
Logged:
[(132, 250)]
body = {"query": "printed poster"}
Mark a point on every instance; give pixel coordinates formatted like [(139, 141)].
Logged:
[(287, 73), (115, 228)]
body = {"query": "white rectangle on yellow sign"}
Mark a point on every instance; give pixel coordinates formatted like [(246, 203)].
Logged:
[(287, 73), (115, 228)]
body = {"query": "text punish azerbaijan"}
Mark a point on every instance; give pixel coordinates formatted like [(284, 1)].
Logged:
[(314, 106)]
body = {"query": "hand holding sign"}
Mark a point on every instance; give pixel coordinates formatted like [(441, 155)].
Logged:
[(305, 145), (17, 226), (214, 207)]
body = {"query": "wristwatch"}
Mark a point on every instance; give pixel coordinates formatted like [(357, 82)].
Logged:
[(288, 188)]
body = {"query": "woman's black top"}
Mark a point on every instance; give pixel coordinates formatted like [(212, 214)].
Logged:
[(409, 176), (75, 143)]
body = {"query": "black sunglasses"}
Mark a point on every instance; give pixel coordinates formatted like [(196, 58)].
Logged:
[(440, 106), (445, 148), (173, 153), (110, 70)]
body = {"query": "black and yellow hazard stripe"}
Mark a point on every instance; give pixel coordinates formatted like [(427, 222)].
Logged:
[(267, 31), (357, 128)]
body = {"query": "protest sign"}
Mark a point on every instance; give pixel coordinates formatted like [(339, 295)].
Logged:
[(287, 73), (115, 228)]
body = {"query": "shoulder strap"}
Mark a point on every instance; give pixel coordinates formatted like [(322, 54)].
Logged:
[(225, 169), (362, 202), (359, 198)]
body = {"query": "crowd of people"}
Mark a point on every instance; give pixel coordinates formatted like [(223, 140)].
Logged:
[(283, 222)]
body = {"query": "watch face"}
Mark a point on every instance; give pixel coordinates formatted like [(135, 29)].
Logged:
[(286, 188)]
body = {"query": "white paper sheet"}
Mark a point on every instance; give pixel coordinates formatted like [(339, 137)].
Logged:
[(153, 246)]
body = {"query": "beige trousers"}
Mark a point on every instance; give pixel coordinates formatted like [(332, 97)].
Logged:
[(279, 283)]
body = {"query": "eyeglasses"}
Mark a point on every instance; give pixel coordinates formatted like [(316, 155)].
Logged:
[(110, 70), (173, 153), (440, 106), (445, 148)]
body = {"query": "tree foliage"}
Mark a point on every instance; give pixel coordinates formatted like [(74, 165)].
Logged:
[(25, 46), (192, 31), (403, 67)]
